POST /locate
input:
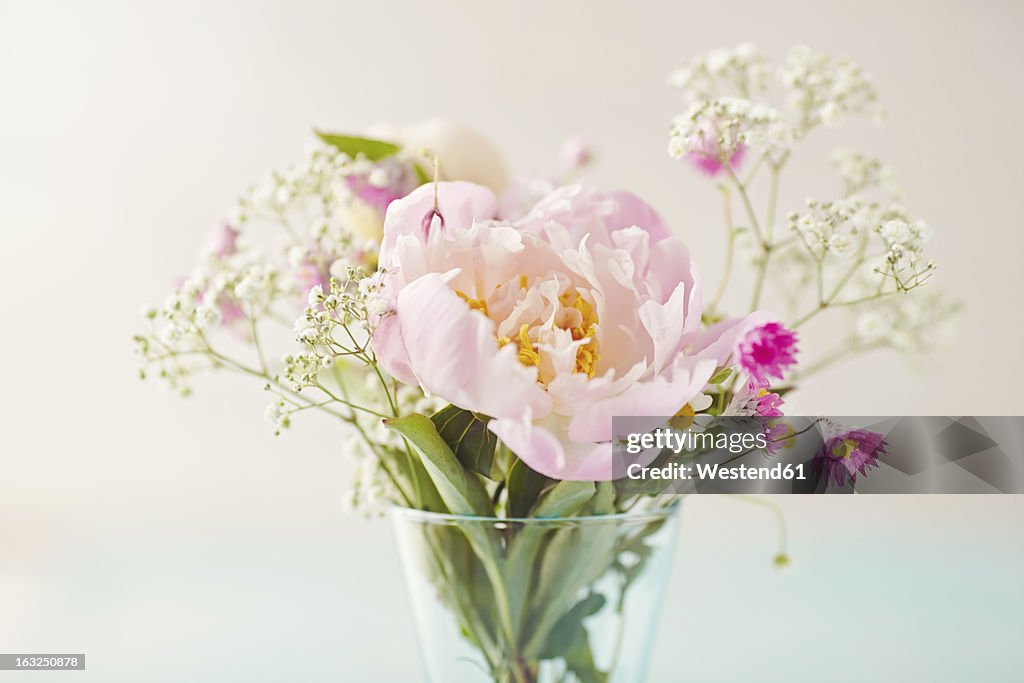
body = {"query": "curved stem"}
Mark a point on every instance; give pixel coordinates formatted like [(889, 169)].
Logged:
[(779, 516), (755, 225), (730, 249), (768, 246)]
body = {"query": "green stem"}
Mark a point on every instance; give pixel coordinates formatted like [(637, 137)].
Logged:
[(839, 304), (779, 516), (730, 248), (755, 226)]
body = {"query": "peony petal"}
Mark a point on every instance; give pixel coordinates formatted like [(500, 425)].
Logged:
[(631, 211), (670, 264), (454, 354), (664, 324), (536, 444), (461, 203), (719, 342), (389, 346), (583, 211), (664, 395)]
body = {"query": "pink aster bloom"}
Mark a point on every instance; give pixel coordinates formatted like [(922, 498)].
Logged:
[(708, 162), (707, 158), (310, 275), (377, 197), (225, 241), (847, 452), (777, 435), (767, 351), (230, 311), (751, 399), (584, 308), (228, 308), (576, 152), (768, 404)]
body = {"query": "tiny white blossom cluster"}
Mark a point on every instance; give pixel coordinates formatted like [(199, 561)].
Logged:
[(742, 69), (287, 234), (724, 127), (860, 172), (831, 227), (911, 325), (884, 239), (824, 89), (335, 326), (227, 288), (723, 117), (858, 251), (302, 237), (333, 334), (316, 205)]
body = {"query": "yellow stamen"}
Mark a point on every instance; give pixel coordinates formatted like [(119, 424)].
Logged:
[(474, 304), (587, 355), (528, 355)]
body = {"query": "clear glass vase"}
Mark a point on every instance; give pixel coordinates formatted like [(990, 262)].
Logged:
[(571, 600)]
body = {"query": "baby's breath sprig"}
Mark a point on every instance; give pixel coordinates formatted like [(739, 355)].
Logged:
[(741, 70), (825, 90), (287, 235), (336, 326), (884, 240), (859, 252)]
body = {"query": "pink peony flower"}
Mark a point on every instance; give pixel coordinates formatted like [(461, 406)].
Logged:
[(584, 308), (767, 351), (848, 452)]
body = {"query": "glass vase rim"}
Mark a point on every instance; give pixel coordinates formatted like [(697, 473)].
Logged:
[(631, 516)]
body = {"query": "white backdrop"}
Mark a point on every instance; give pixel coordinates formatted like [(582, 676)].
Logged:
[(181, 537)]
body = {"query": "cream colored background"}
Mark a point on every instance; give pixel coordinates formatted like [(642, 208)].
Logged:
[(177, 540)]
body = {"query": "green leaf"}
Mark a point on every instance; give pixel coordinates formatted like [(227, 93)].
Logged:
[(571, 561), (422, 177), (461, 491), (523, 486), (466, 433), (568, 640), (603, 502), (420, 489), (563, 499), (352, 145), (721, 374), (568, 626)]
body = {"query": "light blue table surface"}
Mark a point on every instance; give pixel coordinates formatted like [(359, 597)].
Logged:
[(881, 588)]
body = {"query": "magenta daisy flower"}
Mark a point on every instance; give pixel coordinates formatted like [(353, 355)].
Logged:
[(849, 452), (767, 351)]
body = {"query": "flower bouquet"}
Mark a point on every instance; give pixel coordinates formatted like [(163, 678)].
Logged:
[(474, 336)]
